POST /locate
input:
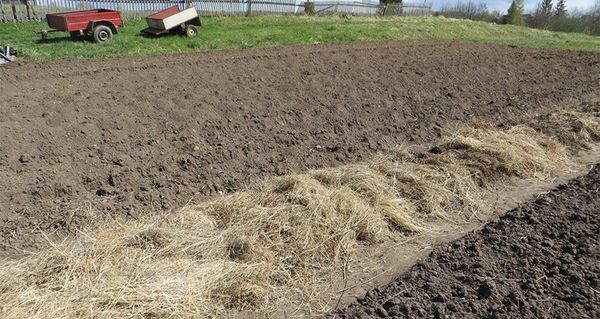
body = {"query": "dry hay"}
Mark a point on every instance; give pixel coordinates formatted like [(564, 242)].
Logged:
[(250, 251), (576, 130)]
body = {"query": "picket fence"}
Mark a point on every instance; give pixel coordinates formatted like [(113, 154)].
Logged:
[(36, 10)]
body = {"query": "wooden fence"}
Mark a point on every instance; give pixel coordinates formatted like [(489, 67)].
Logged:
[(36, 10)]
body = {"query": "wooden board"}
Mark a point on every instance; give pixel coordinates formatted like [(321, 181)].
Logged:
[(179, 18)]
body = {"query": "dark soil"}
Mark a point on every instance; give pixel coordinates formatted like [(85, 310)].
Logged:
[(541, 260), (123, 137)]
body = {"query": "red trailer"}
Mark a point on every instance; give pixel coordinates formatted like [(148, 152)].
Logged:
[(101, 24)]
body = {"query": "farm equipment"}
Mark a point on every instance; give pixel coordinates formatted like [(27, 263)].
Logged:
[(100, 24), (173, 19), (7, 54)]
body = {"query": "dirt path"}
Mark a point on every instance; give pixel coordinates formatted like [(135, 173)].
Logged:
[(541, 260), (123, 137)]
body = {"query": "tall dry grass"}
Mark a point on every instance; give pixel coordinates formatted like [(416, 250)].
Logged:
[(251, 252)]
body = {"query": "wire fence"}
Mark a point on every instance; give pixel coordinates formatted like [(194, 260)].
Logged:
[(35, 10)]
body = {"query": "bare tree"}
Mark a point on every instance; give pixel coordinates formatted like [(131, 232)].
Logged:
[(561, 9), (594, 23), (546, 6), (472, 10), (542, 15), (587, 21)]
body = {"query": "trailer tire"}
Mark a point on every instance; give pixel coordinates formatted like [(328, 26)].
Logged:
[(191, 30), (102, 34)]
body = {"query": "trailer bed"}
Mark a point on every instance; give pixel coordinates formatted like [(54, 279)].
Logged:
[(171, 18), (80, 20)]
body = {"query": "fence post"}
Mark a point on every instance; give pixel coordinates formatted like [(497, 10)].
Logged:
[(14, 10), (2, 11), (310, 8), (249, 8)]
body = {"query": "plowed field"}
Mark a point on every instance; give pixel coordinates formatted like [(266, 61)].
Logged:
[(129, 136)]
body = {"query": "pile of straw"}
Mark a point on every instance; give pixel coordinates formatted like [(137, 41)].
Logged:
[(249, 252)]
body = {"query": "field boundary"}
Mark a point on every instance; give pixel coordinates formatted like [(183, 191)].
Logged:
[(12, 11)]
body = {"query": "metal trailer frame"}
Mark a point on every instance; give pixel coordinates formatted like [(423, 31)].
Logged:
[(101, 24), (186, 21)]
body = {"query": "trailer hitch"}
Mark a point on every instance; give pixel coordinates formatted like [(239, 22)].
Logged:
[(43, 34)]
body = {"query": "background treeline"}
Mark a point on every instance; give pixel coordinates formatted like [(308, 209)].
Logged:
[(472, 10), (552, 15)]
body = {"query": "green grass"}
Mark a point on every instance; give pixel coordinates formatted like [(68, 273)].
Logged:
[(221, 33)]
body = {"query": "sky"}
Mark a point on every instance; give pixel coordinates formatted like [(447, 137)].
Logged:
[(503, 5)]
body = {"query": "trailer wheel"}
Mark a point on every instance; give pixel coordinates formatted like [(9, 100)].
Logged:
[(102, 34), (191, 30)]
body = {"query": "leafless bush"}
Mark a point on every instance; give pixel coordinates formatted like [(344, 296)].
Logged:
[(472, 10), (566, 20)]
